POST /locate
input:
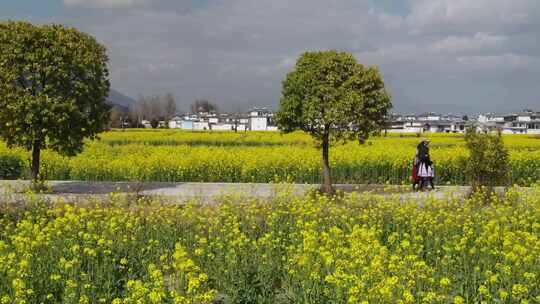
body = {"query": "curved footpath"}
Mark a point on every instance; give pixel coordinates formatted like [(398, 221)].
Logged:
[(175, 193)]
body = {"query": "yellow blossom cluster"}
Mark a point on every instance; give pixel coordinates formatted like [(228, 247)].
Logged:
[(354, 248), (171, 155)]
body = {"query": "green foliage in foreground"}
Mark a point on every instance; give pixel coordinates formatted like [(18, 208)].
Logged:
[(53, 85), (488, 161), (11, 166), (358, 249)]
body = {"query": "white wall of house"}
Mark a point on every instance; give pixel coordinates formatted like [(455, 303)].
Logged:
[(418, 126), (511, 131), (201, 125), (413, 129), (258, 123), (406, 127), (146, 123), (533, 127), (483, 118), (223, 127), (187, 125), (175, 124), (458, 128)]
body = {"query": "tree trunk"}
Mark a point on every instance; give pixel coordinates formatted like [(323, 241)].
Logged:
[(36, 152), (327, 178)]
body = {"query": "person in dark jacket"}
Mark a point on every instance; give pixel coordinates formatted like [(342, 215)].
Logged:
[(424, 166)]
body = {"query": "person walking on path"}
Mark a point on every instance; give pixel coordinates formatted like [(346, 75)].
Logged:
[(424, 165), (426, 174), (414, 174)]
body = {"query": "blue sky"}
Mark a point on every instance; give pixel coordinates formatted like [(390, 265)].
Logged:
[(456, 56), (45, 8)]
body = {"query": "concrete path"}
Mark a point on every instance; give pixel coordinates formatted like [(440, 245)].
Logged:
[(14, 191)]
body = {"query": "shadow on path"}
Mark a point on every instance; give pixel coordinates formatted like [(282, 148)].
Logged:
[(83, 187)]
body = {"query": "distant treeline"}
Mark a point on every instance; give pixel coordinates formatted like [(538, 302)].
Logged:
[(154, 109)]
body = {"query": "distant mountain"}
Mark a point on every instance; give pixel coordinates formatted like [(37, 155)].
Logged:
[(119, 100)]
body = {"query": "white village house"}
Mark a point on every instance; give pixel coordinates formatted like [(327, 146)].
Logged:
[(426, 122), (259, 119), (525, 122)]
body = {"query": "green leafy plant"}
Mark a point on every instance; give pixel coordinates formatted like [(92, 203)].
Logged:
[(53, 86), (487, 165), (333, 98), (11, 166)]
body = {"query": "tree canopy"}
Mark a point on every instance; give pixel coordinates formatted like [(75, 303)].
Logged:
[(53, 87), (487, 164), (334, 98), (203, 106), (157, 107)]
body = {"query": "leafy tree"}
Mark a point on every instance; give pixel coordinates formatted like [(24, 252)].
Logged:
[(169, 105), (203, 106), (140, 110), (487, 165), (334, 98), (154, 123), (156, 108), (153, 108), (53, 86), (115, 118)]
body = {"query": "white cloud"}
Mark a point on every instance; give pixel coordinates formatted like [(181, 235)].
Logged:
[(391, 22), (101, 3), (480, 42), (472, 15), (287, 63), (494, 62), (391, 55), (237, 52), (282, 66)]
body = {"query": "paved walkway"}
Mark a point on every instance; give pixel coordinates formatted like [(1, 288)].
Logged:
[(14, 191)]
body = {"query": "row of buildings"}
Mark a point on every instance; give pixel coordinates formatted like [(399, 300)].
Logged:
[(258, 119), (427, 122), (261, 119), (525, 122)]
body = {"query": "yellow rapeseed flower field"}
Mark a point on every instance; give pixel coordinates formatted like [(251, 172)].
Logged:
[(312, 249), (181, 156)]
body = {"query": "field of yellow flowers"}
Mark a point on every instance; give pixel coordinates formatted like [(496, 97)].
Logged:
[(172, 155), (312, 249)]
